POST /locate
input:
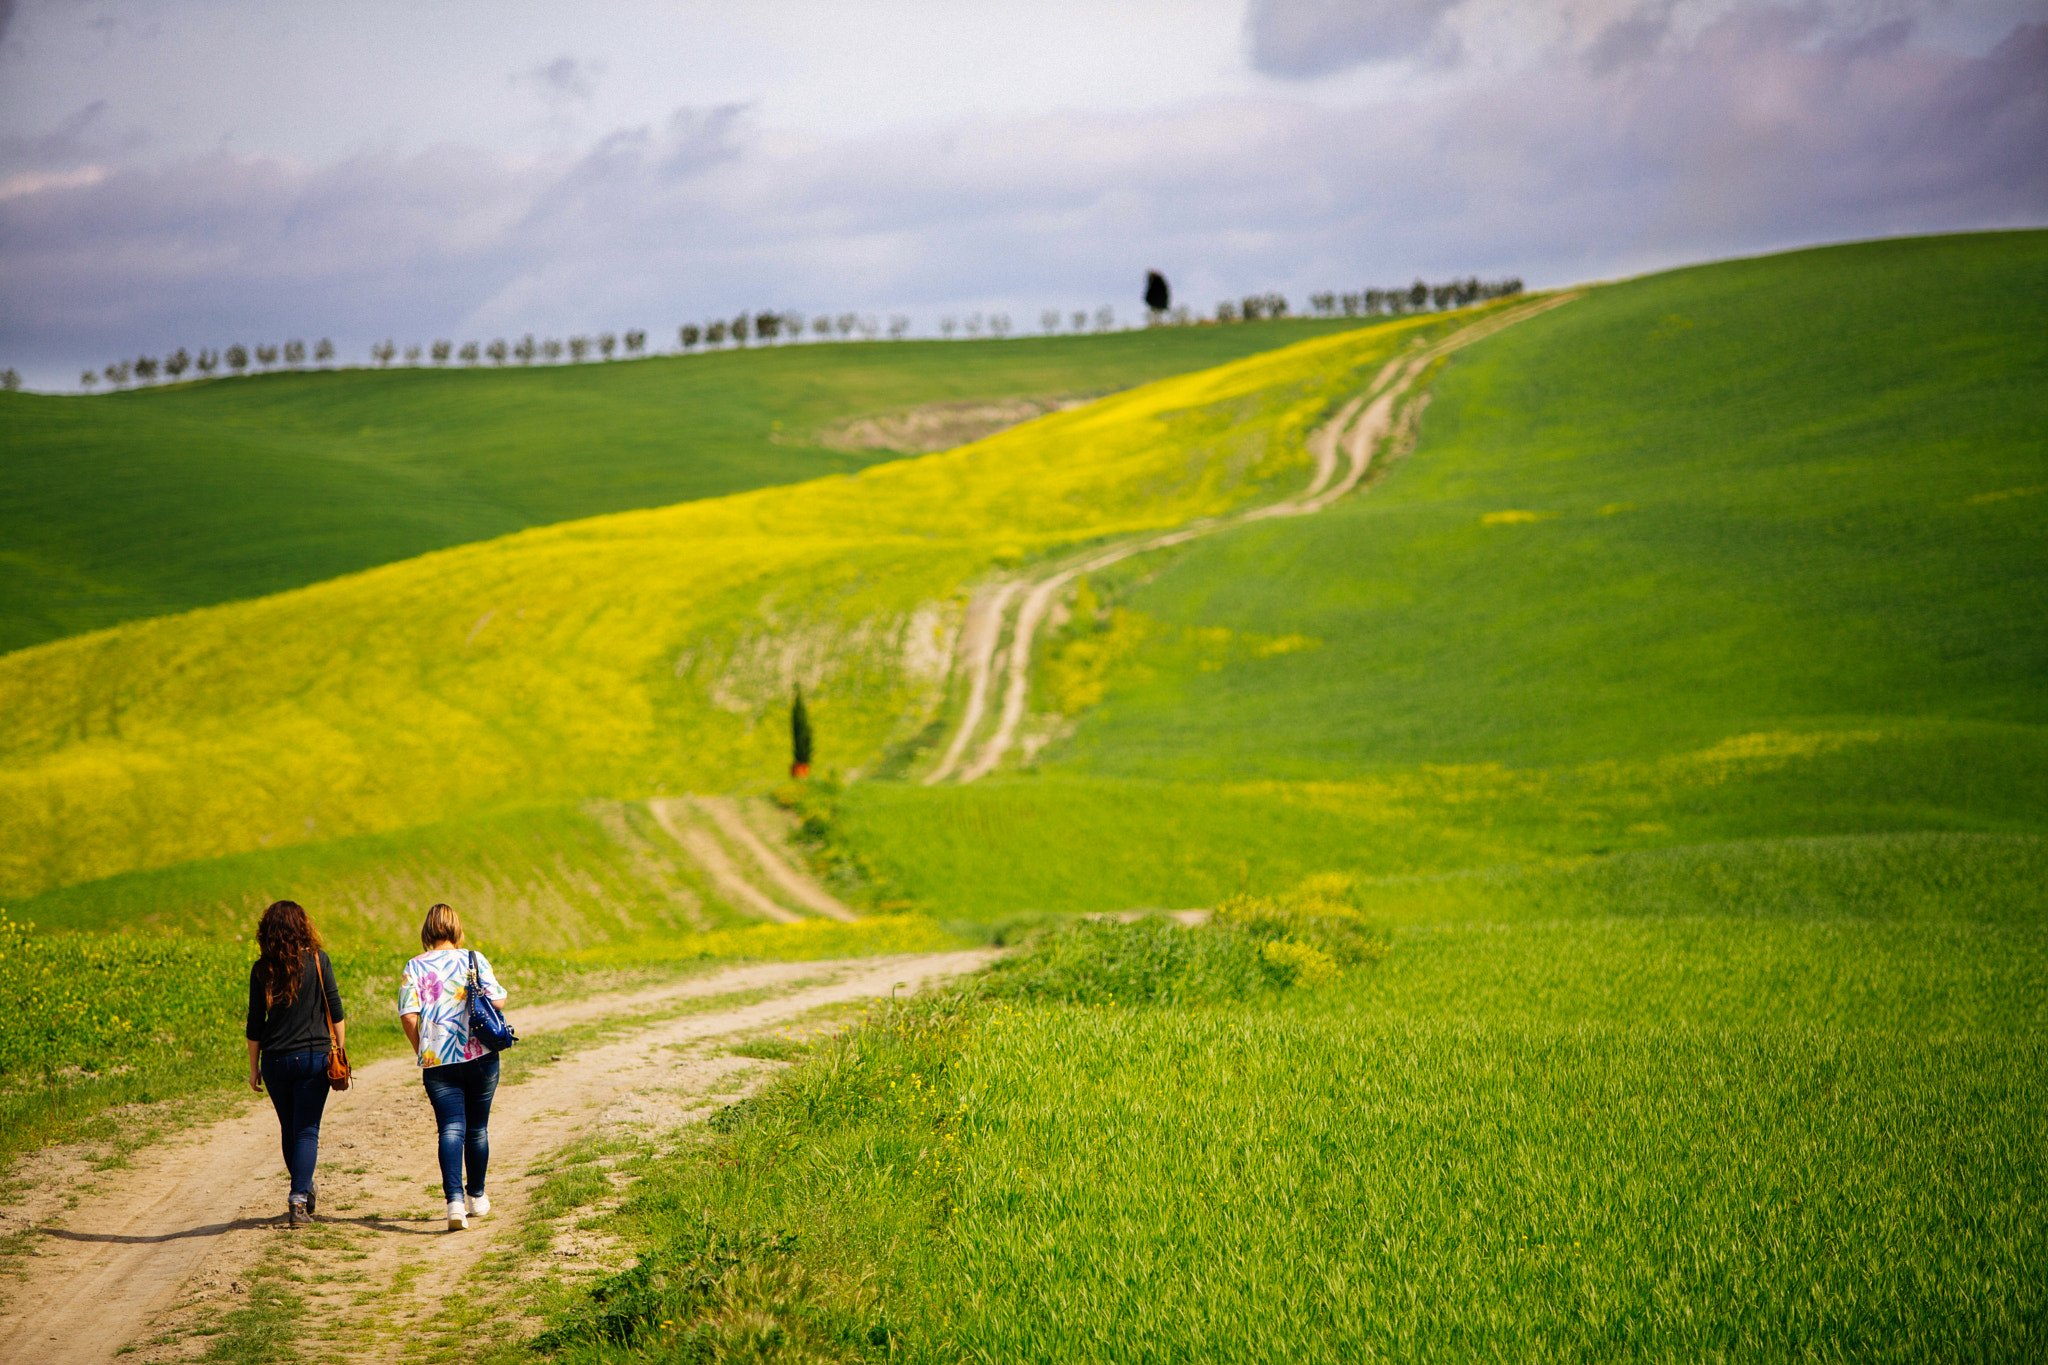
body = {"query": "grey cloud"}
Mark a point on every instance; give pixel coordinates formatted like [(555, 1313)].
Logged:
[(76, 140), (1754, 134), (702, 137), (1302, 38), (1629, 41), (562, 81)]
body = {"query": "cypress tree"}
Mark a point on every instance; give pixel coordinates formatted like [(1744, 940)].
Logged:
[(799, 737), (1157, 295), (1086, 607)]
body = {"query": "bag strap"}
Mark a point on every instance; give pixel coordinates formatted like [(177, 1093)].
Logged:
[(326, 1010)]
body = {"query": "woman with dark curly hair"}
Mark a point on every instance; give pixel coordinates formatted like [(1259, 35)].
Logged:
[(292, 996)]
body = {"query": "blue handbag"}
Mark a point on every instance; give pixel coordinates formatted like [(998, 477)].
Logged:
[(486, 1021)]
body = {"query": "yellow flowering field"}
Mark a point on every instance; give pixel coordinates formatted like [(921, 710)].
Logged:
[(621, 655)]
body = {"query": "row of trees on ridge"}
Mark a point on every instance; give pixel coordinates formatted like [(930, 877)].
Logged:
[(770, 326), (1415, 298)]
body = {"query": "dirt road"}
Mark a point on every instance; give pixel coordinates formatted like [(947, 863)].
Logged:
[(173, 1237), (1357, 434)]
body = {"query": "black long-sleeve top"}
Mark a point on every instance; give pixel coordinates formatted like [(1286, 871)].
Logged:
[(294, 1025)]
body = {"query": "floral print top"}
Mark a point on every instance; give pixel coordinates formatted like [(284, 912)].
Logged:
[(436, 988)]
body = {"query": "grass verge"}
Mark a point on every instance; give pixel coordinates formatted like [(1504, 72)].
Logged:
[(1666, 1137)]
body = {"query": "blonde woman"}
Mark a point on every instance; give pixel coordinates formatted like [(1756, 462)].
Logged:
[(460, 1073)]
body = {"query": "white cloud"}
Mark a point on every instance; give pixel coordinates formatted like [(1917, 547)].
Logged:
[(1624, 149)]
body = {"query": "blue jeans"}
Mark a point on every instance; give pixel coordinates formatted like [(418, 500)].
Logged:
[(297, 1082), (461, 1094)]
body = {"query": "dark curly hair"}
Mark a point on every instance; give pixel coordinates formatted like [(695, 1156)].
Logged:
[(284, 936)]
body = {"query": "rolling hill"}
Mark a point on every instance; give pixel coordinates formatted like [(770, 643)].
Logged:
[(155, 501), (630, 655), (1744, 551), (1730, 555), (1667, 711)]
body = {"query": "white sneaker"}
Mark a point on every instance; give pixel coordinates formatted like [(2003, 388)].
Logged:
[(479, 1206), (458, 1215)]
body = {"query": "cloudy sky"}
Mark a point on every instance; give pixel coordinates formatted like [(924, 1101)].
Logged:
[(207, 171)]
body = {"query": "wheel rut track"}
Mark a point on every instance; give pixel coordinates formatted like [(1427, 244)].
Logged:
[(1360, 429)]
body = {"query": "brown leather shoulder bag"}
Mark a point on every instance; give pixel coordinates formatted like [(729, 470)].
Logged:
[(337, 1056)]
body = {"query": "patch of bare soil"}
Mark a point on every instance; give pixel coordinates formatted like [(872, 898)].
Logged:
[(942, 426), (166, 1244)]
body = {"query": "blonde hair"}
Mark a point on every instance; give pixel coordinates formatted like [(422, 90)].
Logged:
[(443, 926)]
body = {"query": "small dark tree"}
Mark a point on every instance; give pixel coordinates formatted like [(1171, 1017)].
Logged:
[(738, 329), (1049, 320), (412, 355), (1158, 297), (323, 351), (551, 350), (145, 368), (1418, 295), (266, 356), (10, 379), (440, 351), (1226, 311), (1253, 307), (177, 362), (238, 357), (295, 353), (947, 326), (206, 362), (973, 324), (1079, 320), (497, 351), (526, 350), (117, 373), (714, 332), (636, 341), (767, 326), (606, 344), (687, 335), (579, 347), (470, 353), (821, 327), (382, 352), (1087, 607), (899, 326), (799, 737), (87, 379), (846, 323), (998, 325)]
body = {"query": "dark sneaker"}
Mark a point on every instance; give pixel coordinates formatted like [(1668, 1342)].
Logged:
[(296, 1214), (312, 1198)]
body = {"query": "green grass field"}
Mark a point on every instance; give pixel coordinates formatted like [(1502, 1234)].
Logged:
[(1703, 796), (154, 501), (1779, 568), (1590, 1124), (1672, 713)]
